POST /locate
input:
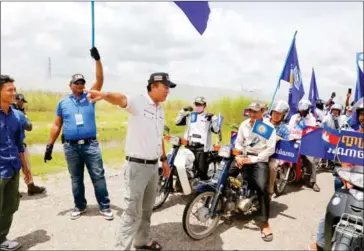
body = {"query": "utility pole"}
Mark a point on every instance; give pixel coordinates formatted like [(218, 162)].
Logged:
[(49, 72)]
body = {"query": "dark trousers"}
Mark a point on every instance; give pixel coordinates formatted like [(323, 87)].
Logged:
[(257, 176), (77, 156), (201, 163), (9, 204)]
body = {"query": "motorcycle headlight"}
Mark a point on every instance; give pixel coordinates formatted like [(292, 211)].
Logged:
[(225, 152), (354, 178), (174, 141)]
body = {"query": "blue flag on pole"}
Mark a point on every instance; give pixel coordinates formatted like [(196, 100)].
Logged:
[(292, 74), (197, 12), (313, 94), (262, 129), (359, 89)]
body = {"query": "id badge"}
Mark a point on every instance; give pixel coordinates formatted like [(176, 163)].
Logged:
[(79, 119)]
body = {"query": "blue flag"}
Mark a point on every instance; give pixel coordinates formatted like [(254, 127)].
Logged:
[(197, 12), (262, 129), (359, 89), (220, 120), (313, 94), (292, 74)]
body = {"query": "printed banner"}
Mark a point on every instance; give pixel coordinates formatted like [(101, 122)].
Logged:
[(345, 146), (287, 150)]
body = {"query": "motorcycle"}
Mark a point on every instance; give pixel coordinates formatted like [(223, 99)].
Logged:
[(183, 173), (344, 224), (289, 172), (222, 195)]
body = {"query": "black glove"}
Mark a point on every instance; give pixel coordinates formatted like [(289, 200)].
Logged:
[(48, 153), (209, 116), (188, 108), (333, 95), (95, 53)]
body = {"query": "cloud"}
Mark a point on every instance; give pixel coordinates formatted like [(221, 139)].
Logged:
[(244, 46)]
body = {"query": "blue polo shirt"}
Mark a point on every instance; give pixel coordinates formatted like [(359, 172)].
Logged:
[(11, 143), (22, 120), (71, 107)]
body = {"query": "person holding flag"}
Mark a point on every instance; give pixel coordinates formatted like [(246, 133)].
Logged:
[(257, 140), (199, 126), (296, 125)]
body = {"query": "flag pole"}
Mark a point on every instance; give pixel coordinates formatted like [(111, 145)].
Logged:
[(93, 23), (280, 76)]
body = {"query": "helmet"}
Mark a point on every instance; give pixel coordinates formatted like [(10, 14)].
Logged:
[(200, 100), (304, 105), (358, 107), (336, 107), (282, 107), (320, 104)]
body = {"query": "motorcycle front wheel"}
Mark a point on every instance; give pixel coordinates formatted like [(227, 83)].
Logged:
[(202, 215), (282, 180), (163, 191)]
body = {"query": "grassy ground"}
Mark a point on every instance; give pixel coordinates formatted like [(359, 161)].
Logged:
[(111, 125)]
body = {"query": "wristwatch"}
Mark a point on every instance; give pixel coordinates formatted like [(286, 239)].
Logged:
[(163, 159)]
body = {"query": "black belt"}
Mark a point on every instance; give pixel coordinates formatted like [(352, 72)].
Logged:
[(142, 161), (81, 141), (196, 144)]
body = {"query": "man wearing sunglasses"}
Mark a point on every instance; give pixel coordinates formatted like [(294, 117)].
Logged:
[(77, 116)]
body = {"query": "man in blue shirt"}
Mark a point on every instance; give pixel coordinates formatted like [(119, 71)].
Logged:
[(11, 155), (27, 125), (77, 116)]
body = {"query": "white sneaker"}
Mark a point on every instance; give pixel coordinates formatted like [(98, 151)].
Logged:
[(76, 213), (9, 245), (107, 213)]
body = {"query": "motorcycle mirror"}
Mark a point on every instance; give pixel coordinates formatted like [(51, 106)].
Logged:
[(166, 129)]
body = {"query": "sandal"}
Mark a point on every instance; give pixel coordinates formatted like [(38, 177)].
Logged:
[(155, 246), (316, 188), (268, 237)]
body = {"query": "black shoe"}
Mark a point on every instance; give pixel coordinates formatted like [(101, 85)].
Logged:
[(33, 189)]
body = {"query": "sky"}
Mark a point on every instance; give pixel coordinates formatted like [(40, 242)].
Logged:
[(242, 50)]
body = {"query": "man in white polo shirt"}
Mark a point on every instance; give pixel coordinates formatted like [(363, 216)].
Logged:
[(144, 148)]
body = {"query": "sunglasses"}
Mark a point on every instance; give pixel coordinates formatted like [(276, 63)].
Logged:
[(79, 83)]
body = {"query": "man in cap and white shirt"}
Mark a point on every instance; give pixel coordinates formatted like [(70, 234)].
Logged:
[(255, 165), (144, 148), (199, 126)]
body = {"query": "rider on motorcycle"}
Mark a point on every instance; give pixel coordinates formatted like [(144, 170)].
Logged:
[(320, 239), (198, 132), (333, 120), (319, 110), (297, 123), (279, 113), (256, 170)]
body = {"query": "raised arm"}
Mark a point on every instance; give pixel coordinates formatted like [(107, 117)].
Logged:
[(99, 70)]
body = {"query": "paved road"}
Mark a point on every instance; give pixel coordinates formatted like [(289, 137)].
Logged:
[(42, 222)]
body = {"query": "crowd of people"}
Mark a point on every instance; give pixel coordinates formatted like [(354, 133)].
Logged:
[(144, 149)]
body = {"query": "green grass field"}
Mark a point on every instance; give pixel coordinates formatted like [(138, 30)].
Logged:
[(111, 126)]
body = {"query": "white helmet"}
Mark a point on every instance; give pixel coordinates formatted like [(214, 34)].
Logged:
[(336, 107), (304, 105), (282, 107)]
